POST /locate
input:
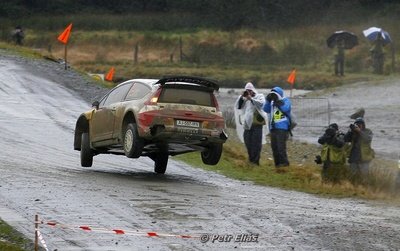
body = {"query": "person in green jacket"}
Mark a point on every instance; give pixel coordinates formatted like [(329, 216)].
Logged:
[(333, 156), (361, 152)]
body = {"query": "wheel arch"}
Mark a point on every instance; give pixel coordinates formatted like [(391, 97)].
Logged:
[(82, 125), (128, 118)]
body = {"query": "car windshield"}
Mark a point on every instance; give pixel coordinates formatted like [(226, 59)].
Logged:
[(186, 96)]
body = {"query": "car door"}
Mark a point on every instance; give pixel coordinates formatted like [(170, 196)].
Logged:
[(103, 119), (134, 100)]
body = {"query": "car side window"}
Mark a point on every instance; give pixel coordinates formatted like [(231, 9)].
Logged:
[(116, 95), (137, 91), (102, 101)]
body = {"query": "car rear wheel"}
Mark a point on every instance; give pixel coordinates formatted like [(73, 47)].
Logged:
[(160, 162), (86, 151), (212, 155), (133, 144)]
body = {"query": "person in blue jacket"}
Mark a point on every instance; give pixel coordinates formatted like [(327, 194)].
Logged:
[(278, 108)]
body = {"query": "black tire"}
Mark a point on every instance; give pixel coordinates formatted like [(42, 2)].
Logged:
[(133, 144), (160, 162), (86, 151), (212, 155)]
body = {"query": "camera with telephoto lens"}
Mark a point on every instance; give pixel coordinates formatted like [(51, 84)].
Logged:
[(353, 126), (245, 94), (272, 97), (330, 132), (318, 159)]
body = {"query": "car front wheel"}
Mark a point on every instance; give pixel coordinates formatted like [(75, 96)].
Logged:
[(212, 155), (133, 144), (86, 151)]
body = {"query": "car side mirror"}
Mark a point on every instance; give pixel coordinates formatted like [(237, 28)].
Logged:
[(95, 105)]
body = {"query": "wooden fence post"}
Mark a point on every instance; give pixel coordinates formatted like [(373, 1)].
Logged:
[(180, 49), (65, 56), (135, 54), (36, 232), (393, 57)]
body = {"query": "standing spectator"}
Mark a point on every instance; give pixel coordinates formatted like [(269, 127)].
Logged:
[(18, 35), (377, 54), (361, 152), (278, 107), (251, 103), (339, 58), (333, 156)]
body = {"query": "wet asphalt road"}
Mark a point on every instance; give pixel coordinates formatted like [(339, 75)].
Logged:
[(40, 174)]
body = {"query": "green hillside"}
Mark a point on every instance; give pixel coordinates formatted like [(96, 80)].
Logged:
[(234, 42)]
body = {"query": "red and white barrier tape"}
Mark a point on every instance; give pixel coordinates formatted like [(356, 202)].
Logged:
[(115, 231), (41, 239)]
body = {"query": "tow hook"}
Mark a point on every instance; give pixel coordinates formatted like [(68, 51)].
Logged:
[(223, 135)]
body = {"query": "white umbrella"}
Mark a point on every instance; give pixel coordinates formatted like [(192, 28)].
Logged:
[(373, 32)]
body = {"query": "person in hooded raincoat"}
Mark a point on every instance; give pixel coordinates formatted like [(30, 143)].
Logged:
[(278, 107), (251, 103)]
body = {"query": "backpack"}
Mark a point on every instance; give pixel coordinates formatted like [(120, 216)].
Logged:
[(333, 154), (292, 122), (258, 119)]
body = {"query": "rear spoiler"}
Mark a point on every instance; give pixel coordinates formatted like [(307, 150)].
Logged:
[(193, 80)]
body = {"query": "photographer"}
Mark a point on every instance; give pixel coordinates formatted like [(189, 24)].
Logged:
[(361, 152), (251, 103), (333, 156), (278, 107)]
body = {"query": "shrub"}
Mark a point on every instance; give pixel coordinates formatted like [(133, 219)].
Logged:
[(211, 53), (205, 53), (357, 59), (297, 53), (229, 116)]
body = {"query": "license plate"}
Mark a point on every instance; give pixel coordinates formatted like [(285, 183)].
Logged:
[(186, 123), (188, 130)]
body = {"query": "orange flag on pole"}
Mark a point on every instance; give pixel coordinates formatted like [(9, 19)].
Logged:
[(64, 36), (292, 77), (110, 74)]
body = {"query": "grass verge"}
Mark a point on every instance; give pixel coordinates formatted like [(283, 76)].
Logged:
[(11, 240), (22, 51), (302, 175)]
